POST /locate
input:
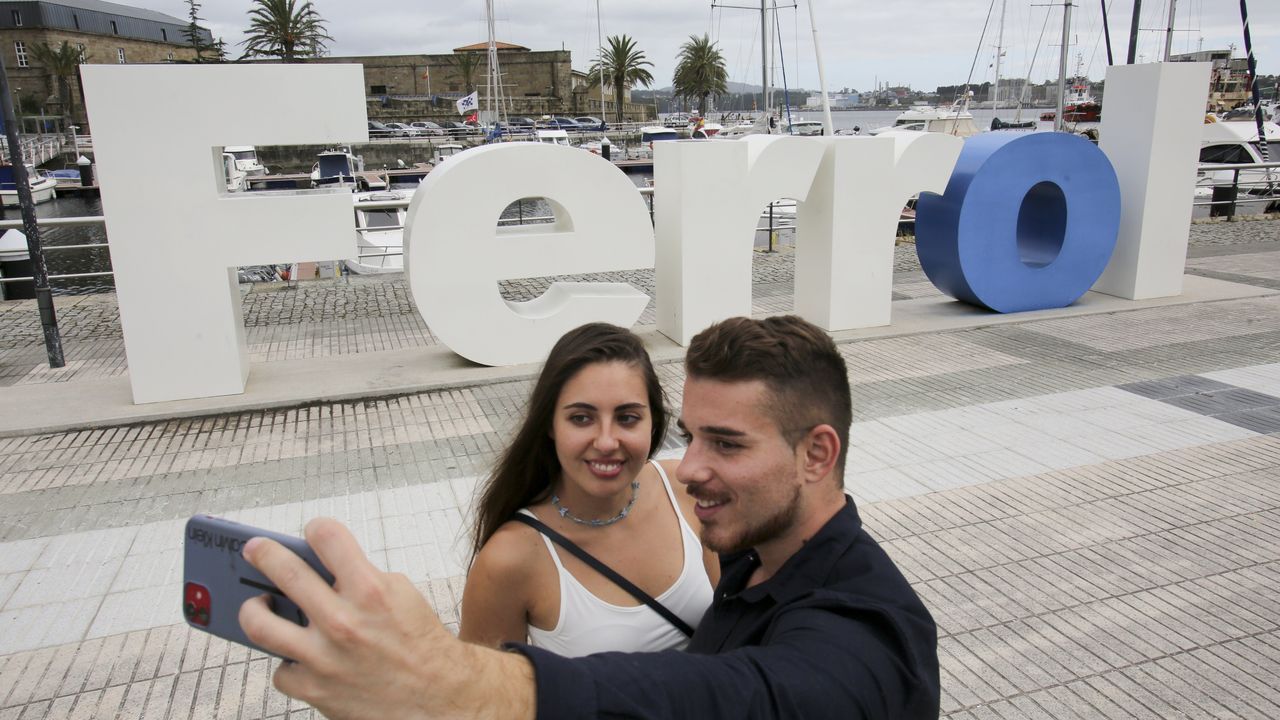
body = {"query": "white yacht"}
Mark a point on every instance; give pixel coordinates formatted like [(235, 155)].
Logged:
[(955, 120), (43, 187), (380, 231), (1237, 143), (337, 167), (800, 126), (239, 164)]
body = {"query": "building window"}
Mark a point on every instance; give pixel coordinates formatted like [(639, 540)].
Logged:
[(120, 54), (17, 17), (20, 49), (170, 56), (377, 89), (76, 19), (164, 35), (115, 30), (80, 49)]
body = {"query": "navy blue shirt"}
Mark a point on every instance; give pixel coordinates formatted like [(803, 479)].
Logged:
[(837, 632)]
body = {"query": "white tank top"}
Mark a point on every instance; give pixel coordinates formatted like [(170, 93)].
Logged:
[(589, 625)]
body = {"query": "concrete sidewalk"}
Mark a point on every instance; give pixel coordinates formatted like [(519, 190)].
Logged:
[(1089, 503)]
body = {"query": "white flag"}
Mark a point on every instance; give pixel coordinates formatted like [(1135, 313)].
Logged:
[(469, 103)]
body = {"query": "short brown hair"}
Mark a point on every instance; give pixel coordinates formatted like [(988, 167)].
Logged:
[(795, 359)]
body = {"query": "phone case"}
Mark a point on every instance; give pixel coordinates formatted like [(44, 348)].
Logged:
[(217, 579)]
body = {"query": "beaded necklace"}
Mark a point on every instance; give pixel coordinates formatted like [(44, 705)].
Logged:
[(564, 511)]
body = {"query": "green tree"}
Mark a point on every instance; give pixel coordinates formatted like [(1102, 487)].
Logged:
[(624, 67), (285, 29), (467, 64), (194, 34), (700, 72), (62, 63)]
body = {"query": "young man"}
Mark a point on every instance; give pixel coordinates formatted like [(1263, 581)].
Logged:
[(810, 620)]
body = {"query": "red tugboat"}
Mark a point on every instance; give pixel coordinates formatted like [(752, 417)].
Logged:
[(1079, 106)]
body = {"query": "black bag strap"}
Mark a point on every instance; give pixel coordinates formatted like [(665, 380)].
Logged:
[(606, 571)]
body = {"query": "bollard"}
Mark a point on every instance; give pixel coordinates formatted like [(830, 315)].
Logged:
[(15, 262), (86, 171), (605, 147)]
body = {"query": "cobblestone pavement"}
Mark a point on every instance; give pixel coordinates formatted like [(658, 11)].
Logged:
[(1090, 506)]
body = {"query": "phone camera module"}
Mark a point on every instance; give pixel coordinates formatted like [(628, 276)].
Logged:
[(196, 604)]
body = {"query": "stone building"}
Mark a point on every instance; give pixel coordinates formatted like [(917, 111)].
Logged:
[(103, 32), (404, 88)]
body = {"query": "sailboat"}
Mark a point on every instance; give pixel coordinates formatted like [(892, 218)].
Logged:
[(997, 123)]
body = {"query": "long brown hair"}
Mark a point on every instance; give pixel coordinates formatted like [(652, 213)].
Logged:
[(529, 465)]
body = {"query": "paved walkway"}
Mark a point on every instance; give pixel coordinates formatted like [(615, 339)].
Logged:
[(1089, 505)]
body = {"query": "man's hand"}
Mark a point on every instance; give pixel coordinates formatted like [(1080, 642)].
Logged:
[(374, 648)]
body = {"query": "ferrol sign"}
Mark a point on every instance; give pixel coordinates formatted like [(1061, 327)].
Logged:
[(1008, 222)]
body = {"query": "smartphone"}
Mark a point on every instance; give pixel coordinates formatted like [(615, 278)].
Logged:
[(216, 579)]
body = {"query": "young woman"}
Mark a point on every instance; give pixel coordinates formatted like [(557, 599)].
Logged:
[(580, 463)]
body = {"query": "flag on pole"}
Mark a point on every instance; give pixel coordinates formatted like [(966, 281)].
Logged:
[(469, 103)]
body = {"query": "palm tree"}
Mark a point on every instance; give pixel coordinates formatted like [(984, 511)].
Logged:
[(285, 29), (624, 67), (467, 64), (700, 72), (63, 64)]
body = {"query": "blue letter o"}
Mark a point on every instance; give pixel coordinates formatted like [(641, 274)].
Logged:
[(1027, 222)]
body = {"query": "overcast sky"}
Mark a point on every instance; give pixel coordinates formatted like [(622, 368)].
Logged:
[(921, 43)]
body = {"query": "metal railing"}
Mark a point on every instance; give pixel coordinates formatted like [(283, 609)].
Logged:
[(60, 222), (1261, 187), (39, 149)]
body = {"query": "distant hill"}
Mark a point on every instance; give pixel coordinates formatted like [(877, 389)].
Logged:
[(735, 88)]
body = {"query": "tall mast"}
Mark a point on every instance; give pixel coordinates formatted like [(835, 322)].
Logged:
[(764, 56), (1133, 31), (600, 43), (1253, 83), (995, 104), (1059, 123), (822, 80), (1168, 33)]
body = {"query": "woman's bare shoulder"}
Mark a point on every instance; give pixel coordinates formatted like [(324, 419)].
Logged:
[(510, 550)]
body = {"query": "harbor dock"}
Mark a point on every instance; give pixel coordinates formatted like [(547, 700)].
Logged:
[(1085, 498)]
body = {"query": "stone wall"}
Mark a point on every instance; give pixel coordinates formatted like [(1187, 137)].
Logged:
[(405, 88), (34, 82), (286, 159)]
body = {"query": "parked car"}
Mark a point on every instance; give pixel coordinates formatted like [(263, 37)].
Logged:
[(402, 130), (460, 129), (559, 123), (593, 124), (520, 123), (378, 130), (426, 127)]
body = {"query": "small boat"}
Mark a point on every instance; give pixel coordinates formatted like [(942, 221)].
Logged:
[(380, 231), (67, 177), (657, 133), (955, 120), (1078, 107), (800, 126), (552, 137), (337, 167), (239, 164), (43, 187), (1236, 143), (445, 151)]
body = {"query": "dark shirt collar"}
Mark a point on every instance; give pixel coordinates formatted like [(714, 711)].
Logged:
[(803, 571)]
